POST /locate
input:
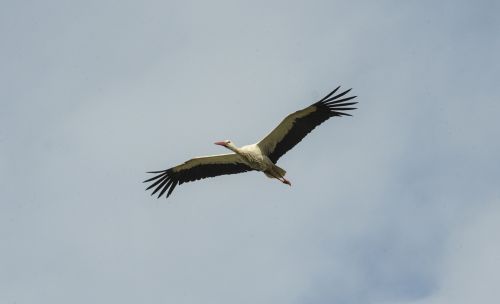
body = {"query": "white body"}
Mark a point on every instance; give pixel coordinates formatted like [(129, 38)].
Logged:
[(252, 156)]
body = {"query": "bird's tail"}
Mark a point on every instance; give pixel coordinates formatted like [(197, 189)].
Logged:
[(275, 172), (281, 171)]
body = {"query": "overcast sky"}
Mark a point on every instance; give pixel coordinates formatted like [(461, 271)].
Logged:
[(398, 204)]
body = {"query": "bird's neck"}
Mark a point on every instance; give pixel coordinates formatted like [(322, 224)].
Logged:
[(233, 148)]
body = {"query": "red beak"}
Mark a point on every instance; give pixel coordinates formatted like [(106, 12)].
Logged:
[(220, 143)]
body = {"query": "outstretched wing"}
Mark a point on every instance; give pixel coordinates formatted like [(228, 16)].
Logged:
[(195, 169), (297, 125)]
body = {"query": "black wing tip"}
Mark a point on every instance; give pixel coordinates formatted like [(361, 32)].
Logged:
[(158, 175), (334, 99), (336, 105), (340, 111), (154, 172), (329, 94), (165, 180)]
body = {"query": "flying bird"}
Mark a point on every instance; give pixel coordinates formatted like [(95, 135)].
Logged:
[(261, 156)]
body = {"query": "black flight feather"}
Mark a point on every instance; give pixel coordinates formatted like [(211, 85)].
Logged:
[(324, 109), (170, 178)]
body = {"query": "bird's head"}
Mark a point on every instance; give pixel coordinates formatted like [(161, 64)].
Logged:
[(226, 143)]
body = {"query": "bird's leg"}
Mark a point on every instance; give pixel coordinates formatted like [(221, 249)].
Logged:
[(285, 181), (281, 179)]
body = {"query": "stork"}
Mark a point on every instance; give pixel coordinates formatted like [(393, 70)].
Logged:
[(261, 156)]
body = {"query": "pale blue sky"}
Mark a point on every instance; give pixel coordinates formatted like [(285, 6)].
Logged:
[(397, 204)]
